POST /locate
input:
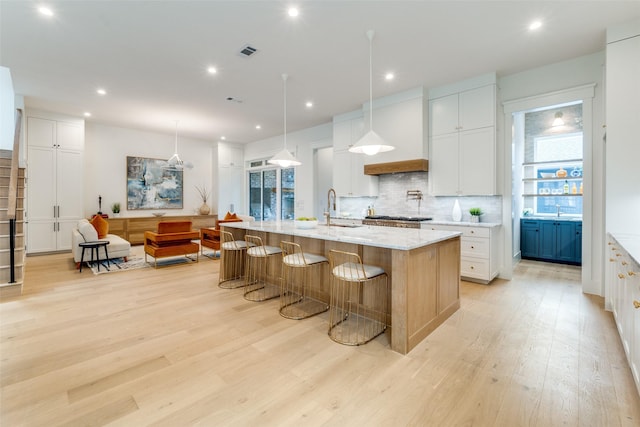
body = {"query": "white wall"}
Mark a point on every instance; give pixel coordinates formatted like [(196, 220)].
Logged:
[(557, 77), (7, 109), (302, 144), (106, 151), (231, 179)]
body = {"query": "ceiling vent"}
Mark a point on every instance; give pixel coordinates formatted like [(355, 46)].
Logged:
[(247, 51)]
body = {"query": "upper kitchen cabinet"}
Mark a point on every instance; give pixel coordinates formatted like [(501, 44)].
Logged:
[(463, 138), (401, 121), (348, 168)]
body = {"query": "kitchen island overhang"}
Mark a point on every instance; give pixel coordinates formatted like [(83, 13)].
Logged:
[(423, 268)]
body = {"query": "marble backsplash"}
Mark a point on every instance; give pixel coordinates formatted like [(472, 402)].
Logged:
[(393, 200)]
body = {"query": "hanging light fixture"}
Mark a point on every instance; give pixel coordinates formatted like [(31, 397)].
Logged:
[(175, 162), (558, 121), (284, 158), (371, 143)]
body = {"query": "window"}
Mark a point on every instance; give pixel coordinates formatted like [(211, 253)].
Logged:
[(272, 194), (552, 168)]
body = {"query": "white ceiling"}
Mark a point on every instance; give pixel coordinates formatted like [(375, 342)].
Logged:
[(151, 56)]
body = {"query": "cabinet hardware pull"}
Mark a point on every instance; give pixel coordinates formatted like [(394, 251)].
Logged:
[(632, 273), (636, 304), (624, 262), (612, 260), (472, 247), (618, 254), (620, 276)]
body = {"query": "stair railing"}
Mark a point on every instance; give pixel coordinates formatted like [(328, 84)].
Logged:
[(13, 196)]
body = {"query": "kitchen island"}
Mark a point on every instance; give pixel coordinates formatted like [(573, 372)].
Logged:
[(423, 268)]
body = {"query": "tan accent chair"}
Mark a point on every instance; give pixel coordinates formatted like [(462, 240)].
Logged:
[(173, 238)]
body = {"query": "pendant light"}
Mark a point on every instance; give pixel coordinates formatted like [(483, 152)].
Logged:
[(371, 143), (175, 162), (284, 158), (558, 121)]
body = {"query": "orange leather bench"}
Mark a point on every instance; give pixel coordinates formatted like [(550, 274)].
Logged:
[(173, 238)]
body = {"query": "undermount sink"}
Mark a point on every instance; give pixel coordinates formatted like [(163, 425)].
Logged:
[(343, 225)]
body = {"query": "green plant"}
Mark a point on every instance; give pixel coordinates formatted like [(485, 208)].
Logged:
[(204, 193), (115, 207), (475, 211), (304, 218)]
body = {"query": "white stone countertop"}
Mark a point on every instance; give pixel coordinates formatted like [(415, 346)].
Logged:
[(630, 243), (380, 237)]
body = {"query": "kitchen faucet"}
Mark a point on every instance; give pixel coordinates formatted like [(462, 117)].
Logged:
[(328, 211), (558, 211)]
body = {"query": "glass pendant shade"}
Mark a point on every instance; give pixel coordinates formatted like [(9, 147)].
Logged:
[(371, 143), (284, 158)]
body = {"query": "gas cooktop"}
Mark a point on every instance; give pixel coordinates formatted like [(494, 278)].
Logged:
[(399, 218)]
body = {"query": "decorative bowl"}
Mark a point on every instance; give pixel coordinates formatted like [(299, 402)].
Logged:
[(158, 214), (547, 174), (305, 225)]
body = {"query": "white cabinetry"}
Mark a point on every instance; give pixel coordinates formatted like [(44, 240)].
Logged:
[(348, 168), (478, 251), (463, 140), (623, 280), (230, 179), (54, 182)]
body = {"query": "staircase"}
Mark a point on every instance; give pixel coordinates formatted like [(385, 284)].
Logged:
[(12, 243)]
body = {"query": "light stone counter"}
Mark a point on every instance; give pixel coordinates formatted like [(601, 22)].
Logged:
[(462, 223), (423, 267), (630, 243), (381, 237)]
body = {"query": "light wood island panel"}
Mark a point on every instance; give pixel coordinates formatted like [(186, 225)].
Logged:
[(133, 228), (424, 282)]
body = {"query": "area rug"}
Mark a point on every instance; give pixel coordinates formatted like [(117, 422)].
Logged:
[(118, 264)]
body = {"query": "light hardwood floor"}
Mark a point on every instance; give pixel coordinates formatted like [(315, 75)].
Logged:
[(167, 347)]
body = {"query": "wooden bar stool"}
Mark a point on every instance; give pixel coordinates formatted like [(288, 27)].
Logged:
[(297, 266), (256, 283), (358, 306), (232, 254)]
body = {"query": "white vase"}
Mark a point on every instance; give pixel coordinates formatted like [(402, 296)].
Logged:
[(456, 213)]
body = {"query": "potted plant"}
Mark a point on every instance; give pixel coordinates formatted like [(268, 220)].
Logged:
[(475, 214), (204, 196), (115, 208)]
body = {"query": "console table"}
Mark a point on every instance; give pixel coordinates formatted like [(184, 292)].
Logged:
[(133, 228)]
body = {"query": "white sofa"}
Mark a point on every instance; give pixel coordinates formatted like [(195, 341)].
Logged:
[(84, 232)]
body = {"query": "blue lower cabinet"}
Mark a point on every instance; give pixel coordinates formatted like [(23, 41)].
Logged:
[(529, 238), (551, 240)]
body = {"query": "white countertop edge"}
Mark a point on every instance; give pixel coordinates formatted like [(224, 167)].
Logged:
[(380, 237), (630, 243), (464, 223)]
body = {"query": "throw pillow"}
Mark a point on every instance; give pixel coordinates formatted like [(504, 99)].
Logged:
[(101, 225), (87, 230), (228, 215)]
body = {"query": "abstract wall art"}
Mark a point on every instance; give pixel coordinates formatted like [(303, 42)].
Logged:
[(151, 185)]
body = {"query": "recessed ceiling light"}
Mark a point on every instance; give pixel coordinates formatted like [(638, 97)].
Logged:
[(101, 92), (212, 70), (45, 11), (87, 114), (389, 76), (258, 127), (535, 25), (293, 12), (308, 104)]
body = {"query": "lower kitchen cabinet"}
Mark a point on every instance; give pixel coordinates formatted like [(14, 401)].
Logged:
[(478, 250), (551, 240)]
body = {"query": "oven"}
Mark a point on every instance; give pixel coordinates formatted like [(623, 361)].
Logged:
[(395, 221)]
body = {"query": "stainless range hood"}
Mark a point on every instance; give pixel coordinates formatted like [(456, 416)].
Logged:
[(417, 165)]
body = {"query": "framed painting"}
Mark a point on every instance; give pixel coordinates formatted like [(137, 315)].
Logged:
[(150, 185)]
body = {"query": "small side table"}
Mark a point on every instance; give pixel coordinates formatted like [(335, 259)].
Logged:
[(95, 247), (210, 238)]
